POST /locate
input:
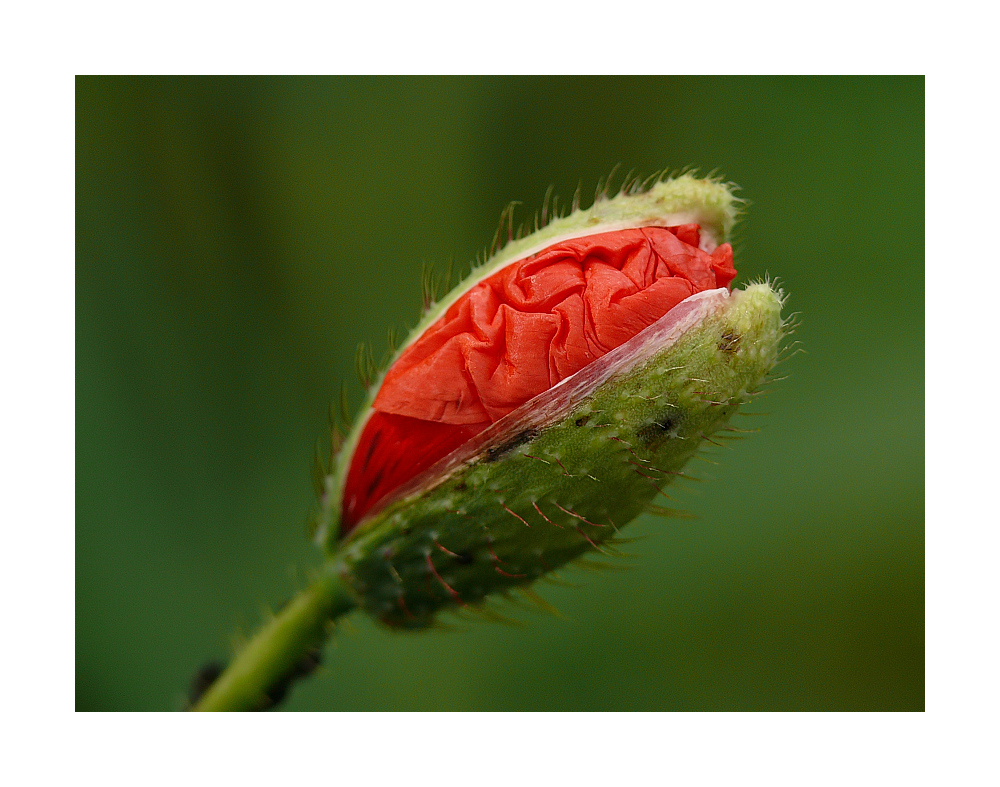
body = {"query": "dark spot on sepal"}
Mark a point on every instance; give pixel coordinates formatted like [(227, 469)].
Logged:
[(729, 343), (500, 451), (583, 420), (659, 429)]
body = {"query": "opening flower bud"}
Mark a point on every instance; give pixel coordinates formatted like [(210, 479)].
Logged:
[(513, 336), (547, 400)]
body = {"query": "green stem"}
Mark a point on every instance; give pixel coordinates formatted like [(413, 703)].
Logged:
[(273, 654)]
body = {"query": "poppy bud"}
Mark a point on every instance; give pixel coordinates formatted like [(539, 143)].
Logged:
[(546, 401)]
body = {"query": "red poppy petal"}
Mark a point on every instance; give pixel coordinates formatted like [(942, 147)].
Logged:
[(392, 450), (516, 334)]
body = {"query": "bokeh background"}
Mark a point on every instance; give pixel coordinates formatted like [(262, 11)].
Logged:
[(237, 238)]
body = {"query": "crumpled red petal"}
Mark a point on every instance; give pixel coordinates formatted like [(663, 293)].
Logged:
[(516, 334)]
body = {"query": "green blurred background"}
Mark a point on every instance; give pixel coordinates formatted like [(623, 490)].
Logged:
[(237, 238)]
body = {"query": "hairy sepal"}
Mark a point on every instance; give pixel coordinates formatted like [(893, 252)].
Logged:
[(559, 476)]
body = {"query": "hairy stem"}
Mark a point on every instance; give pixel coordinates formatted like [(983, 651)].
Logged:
[(270, 659)]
